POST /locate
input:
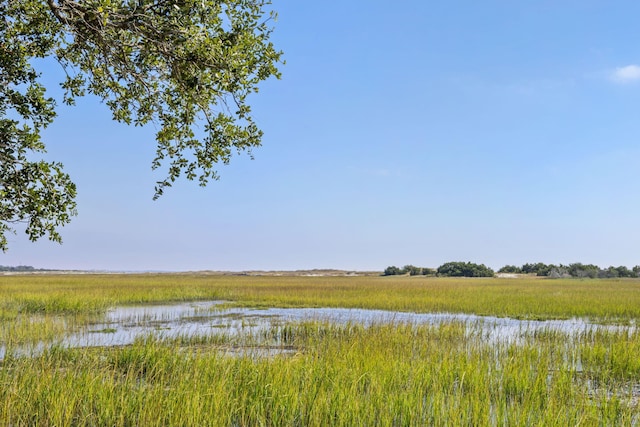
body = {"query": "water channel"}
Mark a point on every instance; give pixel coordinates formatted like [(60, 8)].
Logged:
[(122, 325)]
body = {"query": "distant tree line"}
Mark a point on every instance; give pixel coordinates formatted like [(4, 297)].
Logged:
[(411, 270), (469, 269), (464, 269), (16, 268), (449, 269), (572, 270)]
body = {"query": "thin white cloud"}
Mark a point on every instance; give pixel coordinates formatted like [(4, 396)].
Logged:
[(627, 74)]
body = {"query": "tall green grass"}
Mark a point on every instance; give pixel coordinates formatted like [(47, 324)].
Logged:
[(344, 375), (326, 374), (602, 300)]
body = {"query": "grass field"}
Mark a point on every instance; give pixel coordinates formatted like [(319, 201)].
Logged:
[(600, 300), (384, 374)]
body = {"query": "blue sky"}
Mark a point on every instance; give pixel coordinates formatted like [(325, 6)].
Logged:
[(414, 132)]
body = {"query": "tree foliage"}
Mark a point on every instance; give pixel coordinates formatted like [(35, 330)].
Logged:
[(17, 268), (412, 270), (392, 270), (583, 270), (577, 270), (510, 269), (469, 269), (459, 269), (186, 65), (409, 269), (539, 269), (464, 269)]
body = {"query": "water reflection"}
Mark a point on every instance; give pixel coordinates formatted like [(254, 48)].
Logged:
[(122, 325)]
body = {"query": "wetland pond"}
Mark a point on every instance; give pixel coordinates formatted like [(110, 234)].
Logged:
[(122, 325)]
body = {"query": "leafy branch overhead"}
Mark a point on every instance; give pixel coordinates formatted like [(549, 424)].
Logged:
[(186, 65)]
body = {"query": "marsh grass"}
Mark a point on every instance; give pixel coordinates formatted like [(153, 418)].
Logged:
[(316, 373), (611, 300), (338, 375)]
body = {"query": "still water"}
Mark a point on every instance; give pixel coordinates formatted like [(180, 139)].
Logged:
[(122, 325)]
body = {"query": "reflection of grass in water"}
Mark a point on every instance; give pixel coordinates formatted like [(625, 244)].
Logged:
[(103, 331), (230, 316), (328, 375)]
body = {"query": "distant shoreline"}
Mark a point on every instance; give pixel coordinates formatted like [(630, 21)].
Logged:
[(301, 273)]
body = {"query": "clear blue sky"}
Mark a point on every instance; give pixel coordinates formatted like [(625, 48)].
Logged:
[(414, 132)]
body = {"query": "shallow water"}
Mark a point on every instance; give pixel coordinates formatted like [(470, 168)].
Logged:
[(122, 325)]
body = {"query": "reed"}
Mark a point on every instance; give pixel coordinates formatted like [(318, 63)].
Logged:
[(317, 373), (390, 375), (611, 300)]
